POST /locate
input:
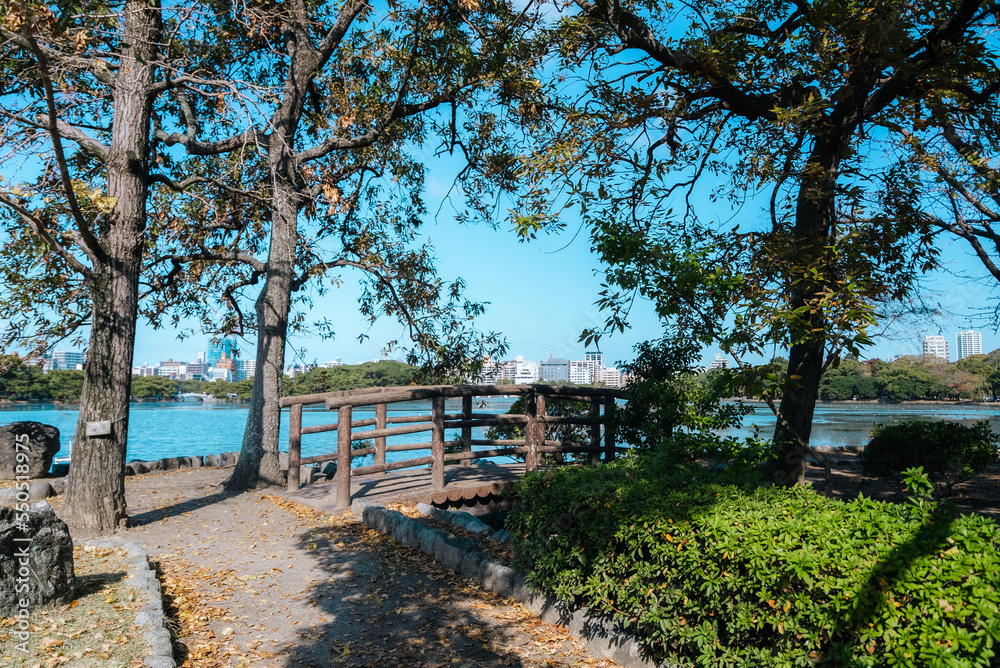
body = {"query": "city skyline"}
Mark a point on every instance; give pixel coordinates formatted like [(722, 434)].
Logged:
[(937, 345)]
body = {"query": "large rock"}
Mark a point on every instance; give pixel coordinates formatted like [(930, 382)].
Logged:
[(34, 456), (36, 559)]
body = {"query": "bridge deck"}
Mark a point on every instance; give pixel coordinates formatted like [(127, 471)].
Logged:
[(413, 486)]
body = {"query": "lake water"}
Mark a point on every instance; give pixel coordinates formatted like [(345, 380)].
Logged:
[(179, 429), (160, 430)]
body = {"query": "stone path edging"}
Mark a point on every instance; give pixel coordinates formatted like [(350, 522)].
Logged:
[(142, 578), (599, 634)]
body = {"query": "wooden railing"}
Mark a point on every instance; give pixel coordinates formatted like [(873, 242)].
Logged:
[(533, 446)]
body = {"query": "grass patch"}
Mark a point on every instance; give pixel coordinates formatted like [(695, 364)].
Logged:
[(96, 629)]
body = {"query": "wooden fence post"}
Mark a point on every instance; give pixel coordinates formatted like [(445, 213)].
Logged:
[(530, 430), (380, 422), (609, 429), (595, 430), (344, 457), (466, 430), (294, 446), (437, 444), (540, 428)]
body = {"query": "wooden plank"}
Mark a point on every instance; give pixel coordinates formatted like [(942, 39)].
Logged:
[(437, 444), (481, 454), (318, 459), (487, 422), (595, 432), (370, 396), (294, 447), (466, 428), (319, 428), (609, 430), (552, 419), (380, 422), (393, 466), (308, 399), (344, 458), (570, 448), (499, 441), (391, 431)]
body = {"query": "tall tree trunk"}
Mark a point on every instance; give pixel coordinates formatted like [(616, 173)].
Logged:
[(258, 464), (95, 492), (814, 217)]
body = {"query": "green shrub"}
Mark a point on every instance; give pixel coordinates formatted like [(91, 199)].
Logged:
[(950, 452), (667, 395), (708, 574)]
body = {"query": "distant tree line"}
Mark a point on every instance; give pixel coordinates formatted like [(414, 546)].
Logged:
[(909, 378), (29, 383)]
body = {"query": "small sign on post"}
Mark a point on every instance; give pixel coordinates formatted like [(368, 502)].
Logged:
[(102, 428)]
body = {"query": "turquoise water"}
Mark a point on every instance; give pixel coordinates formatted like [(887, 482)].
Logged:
[(158, 430), (850, 424), (191, 429)]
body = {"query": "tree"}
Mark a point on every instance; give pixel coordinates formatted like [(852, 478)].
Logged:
[(153, 387), (782, 100), (85, 78), (81, 86), (348, 99)]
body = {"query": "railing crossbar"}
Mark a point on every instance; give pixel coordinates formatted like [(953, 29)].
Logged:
[(534, 446)]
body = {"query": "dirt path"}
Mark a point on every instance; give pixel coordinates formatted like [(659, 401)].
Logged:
[(256, 580)]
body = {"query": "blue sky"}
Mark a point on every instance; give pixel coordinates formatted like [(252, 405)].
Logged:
[(542, 295)]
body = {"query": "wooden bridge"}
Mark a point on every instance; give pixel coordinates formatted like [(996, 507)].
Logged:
[(462, 481)]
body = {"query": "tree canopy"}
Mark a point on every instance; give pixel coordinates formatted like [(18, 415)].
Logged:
[(655, 107)]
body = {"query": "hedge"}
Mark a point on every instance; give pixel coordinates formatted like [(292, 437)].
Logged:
[(707, 574)]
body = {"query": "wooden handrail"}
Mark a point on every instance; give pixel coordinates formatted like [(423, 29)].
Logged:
[(533, 446), (361, 396)]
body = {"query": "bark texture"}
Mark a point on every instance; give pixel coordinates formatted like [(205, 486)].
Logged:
[(258, 464), (95, 492), (814, 217)]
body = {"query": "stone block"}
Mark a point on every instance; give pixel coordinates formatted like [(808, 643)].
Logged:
[(33, 455), (159, 641), (40, 555), (425, 510), (497, 577), (39, 491), (469, 567), (136, 468), (330, 470), (211, 460), (9, 496), (197, 462), (171, 463), (408, 533), (159, 662), (450, 551), (156, 465), (429, 538)]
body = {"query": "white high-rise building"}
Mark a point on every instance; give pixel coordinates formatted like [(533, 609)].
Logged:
[(595, 359), (526, 373), (719, 362), (936, 346), (580, 372), (969, 342)]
